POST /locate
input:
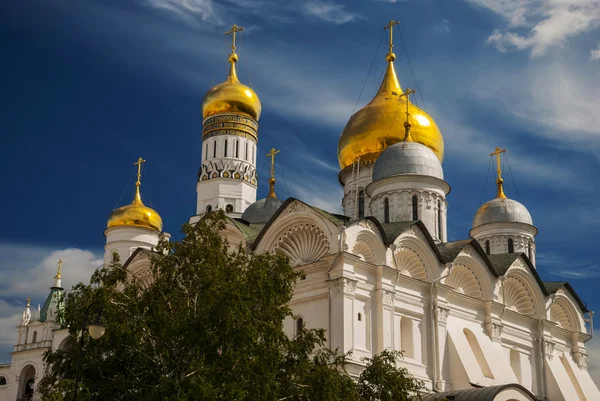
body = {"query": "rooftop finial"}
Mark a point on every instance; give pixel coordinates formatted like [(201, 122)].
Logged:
[(391, 56), (272, 154), (499, 180), (138, 163), (60, 262), (233, 57)]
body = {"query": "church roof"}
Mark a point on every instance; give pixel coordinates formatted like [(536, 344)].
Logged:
[(476, 394), (52, 300), (553, 286)]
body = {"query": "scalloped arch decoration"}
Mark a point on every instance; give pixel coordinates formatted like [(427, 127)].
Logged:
[(517, 297), (303, 244), (410, 264), (465, 282), (364, 250), (559, 315)]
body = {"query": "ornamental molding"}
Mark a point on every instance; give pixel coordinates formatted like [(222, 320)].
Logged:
[(303, 244), (549, 347), (367, 224), (388, 297), (294, 207), (231, 169), (344, 284), (497, 330), (344, 243), (581, 359), (442, 314)]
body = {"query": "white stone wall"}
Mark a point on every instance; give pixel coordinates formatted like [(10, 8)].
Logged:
[(126, 239), (352, 182)]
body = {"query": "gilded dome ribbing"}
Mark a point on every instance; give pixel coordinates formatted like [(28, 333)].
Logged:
[(380, 124)]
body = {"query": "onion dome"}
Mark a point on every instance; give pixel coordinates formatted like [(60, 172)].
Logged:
[(231, 96), (136, 214), (379, 124), (502, 210), (407, 158)]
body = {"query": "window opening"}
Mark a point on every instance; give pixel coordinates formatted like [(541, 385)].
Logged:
[(511, 246), (439, 219), (208, 208), (487, 247), (225, 149), (415, 208), (361, 203), (299, 325), (229, 208), (214, 149), (386, 210)]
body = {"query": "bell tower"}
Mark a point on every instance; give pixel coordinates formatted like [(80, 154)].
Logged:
[(227, 177)]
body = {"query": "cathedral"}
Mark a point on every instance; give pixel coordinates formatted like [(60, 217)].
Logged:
[(472, 318)]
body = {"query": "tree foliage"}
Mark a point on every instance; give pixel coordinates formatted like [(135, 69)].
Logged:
[(210, 327)]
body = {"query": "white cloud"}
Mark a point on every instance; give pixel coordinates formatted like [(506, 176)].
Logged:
[(443, 26), (329, 11), (595, 53), (189, 10), (537, 25), (33, 269)]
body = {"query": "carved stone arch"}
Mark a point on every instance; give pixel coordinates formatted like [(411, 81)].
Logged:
[(139, 271), (370, 246), (296, 214), (517, 297), (571, 311), (409, 263), (303, 244), (559, 315), (465, 281), (415, 240), (481, 271)]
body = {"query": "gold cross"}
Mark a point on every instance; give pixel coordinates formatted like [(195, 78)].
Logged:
[(139, 163), (60, 262), (272, 154), (390, 26), (499, 180), (407, 93), (234, 29)]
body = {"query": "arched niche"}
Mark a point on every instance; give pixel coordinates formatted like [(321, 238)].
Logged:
[(465, 281), (366, 243), (297, 214), (234, 237), (67, 343), (565, 314), (476, 266), (518, 297), (410, 264), (303, 244), (27, 382), (559, 315), (415, 241)]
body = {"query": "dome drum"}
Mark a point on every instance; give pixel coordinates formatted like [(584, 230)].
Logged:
[(230, 124), (407, 158)]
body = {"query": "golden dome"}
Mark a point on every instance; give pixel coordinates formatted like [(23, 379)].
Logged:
[(136, 213), (231, 96), (381, 124)]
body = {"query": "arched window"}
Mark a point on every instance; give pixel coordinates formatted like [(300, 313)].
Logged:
[(487, 247), (229, 208), (406, 337), (415, 208), (2, 381), (253, 156), (529, 250), (299, 325), (246, 153), (511, 246), (478, 353), (34, 338), (208, 208), (386, 210), (214, 149), (515, 364), (361, 203), (439, 219), (225, 149), (359, 317), (206, 151), (237, 149)]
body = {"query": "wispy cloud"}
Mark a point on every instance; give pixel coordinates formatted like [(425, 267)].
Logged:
[(537, 25), (595, 53), (329, 11), (191, 11), (442, 26), (560, 266)]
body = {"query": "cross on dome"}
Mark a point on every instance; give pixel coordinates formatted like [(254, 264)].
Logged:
[(499, 180), (272, 154)]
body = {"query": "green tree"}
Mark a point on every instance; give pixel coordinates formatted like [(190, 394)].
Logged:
[(210, 327)]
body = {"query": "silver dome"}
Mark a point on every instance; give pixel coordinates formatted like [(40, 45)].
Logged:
[(502, 210), (407, 158), (261, 211)]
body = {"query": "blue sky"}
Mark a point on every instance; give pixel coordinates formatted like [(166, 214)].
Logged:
[(89, 86)]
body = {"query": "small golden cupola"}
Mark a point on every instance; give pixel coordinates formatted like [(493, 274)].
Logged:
[(231, 96), (380, 123), (136, 213)]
